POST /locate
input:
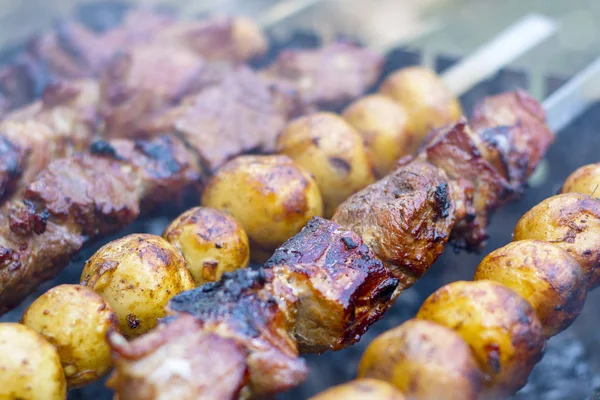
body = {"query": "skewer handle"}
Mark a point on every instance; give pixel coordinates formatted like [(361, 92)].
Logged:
[(283, 10), (573, 98), (489, 59)]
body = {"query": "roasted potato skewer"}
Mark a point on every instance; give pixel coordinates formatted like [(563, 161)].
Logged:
[(523, 293), (585, 180), (76, 320), (362, 389)]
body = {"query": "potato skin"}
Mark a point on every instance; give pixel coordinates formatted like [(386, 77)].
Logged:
[(570, 221), (29, 367), (382, 123), (137, 274), (426, 99), (270, 196), (423, 360), (543, 274), (585, 180), (75, 319), (211, 241), (333, 152), (500, 326), (361, 389)]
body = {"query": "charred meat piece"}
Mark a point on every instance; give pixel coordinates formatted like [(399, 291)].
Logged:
[(340, 288), (514, 134), (60, 124), (241, 308), (330, 76), (405, 219), (244, 112), (171, 360), (79, 198)]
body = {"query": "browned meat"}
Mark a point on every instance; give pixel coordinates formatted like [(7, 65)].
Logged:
[(73, 51), (341, 289), (61, 123), (170, 361), (145, 80), (329, 76), (244, 112), (514, 134), (79, 198), (405, 219)]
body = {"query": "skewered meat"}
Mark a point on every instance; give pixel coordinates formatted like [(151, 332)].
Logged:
[(330, 76), (241, 113), (58, 125), (79, 198), (312, 273), (73, 51)]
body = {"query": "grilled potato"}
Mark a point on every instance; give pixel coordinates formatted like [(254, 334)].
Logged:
[(425, 98), (29, 366), (137, 275), (361, 389), (500, 326), (211, 241), (382, 123), (425, 361), (270, 196), (585, 180), (570, 221), (543, 274), (329, 148), (75, 319)]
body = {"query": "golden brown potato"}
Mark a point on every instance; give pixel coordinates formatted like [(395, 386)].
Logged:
[(382, 123), (326, 146), (75, 319), (361, 389), (425, 98), (425, 361), (137, 275), (270, 196), (570, 221), (211, 241), (585, 180), (500, 326), (29, 366), (543, 274)]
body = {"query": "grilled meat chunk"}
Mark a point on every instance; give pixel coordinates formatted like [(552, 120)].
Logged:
[(79, 198), (405, 219), (60, 124), (330, 76), (340, 288), (171, 361), (73, 51), (243, 112)]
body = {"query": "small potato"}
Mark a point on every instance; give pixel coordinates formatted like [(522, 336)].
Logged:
[(425, 361), (585, 180), (75, 319), (137, 275), (543, 274), (270, 196), (382, 123), (211, 241), (425, 98), (29, 366), (570, 221), (361, 389), (329, 148), (500, 326)]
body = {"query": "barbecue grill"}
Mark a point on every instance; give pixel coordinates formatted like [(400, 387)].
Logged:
[(570, 368)]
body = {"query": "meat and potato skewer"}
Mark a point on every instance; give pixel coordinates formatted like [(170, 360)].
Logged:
[(323, 288), (545, 276)]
